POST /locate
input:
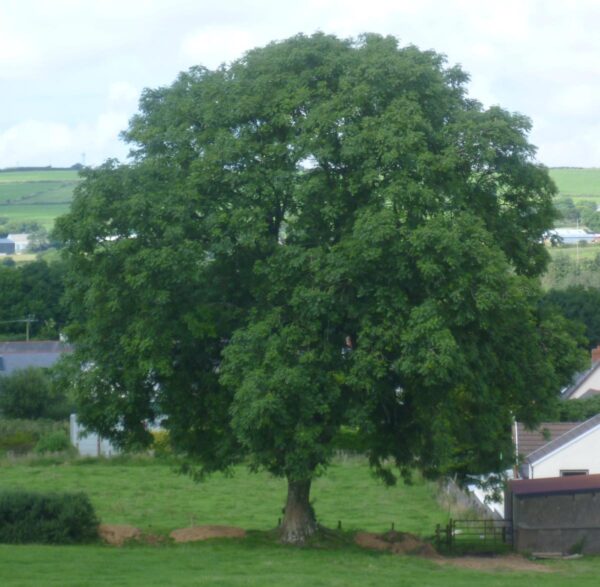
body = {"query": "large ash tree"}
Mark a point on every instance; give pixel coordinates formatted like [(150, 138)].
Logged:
[(327, 234)]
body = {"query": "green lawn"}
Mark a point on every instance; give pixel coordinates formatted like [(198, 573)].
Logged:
[(150, 495), (154, 498)]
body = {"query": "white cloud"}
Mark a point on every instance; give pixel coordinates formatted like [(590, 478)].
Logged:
[(75, 69)]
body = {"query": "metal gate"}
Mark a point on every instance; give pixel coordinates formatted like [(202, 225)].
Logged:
[(475, 535)]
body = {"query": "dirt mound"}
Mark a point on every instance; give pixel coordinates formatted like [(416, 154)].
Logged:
[(206, 532), (396, 542), (118, 535)]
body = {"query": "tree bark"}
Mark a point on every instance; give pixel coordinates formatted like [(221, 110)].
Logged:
[(299, 521)]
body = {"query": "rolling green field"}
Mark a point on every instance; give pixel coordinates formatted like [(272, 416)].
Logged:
[(44, 195), (38, 196), (150, 495), (577, 183)]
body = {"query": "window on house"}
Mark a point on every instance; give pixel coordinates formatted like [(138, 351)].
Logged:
[(573, 472)]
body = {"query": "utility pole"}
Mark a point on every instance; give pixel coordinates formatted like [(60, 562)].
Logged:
[(27, 321)]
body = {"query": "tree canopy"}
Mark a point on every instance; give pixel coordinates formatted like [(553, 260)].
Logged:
[(326, 233)]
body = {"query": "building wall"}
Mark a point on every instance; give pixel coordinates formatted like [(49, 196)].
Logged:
[(89, 444), (582, 454), (564, 523), (592, 382)]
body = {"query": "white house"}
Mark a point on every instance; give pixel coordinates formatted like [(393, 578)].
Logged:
[(587, 383), (559, 449)]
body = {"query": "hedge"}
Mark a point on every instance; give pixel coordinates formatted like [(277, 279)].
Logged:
[(46, 518)]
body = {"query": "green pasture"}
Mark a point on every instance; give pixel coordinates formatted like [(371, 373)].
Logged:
[(583, 252), (45, 214), (152, 496), (7, 177), (577, 183), (38, 196)]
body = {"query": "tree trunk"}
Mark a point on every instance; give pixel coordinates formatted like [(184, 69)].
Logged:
[(299, 520)]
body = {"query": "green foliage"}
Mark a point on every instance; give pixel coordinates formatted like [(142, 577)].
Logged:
[(21, 436), (50, 518), (582, 304), (32, 393), (33, 289), (574, 268), (57, 441), (325, 233), (577, 410)]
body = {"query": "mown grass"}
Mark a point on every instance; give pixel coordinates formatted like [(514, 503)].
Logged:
[(153, 497), (150, 495)]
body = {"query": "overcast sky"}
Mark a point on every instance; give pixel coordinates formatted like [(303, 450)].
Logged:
[(71, 71)]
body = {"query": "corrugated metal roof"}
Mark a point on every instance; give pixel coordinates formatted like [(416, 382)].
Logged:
[(34, 346), (38, 353), (552, 485), (531, 440)]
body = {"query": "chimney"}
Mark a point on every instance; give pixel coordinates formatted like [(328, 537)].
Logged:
[(595, 355)]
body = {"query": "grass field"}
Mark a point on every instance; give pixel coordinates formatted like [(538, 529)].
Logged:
[(44, 195), (38, 196), (573, 252), (151, 496), (577, 183)]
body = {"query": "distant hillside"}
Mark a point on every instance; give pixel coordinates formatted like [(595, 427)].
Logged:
[(36, 195), (577, 182), (40, 194)]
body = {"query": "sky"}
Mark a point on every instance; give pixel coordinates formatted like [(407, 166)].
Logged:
[(71, 71)]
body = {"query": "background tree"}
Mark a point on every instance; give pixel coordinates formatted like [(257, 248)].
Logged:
[(327, 232), (34, 393), (581, 304), (32, 289)]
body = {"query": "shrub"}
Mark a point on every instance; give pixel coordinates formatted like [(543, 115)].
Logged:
[(20, 436), (161, 443), (33, 393), (57, 441), (46, 518)]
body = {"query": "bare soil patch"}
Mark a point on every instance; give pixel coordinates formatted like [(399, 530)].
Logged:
[(405, 543), (396, 542), (509, 562), (206, 532), (117, 535)]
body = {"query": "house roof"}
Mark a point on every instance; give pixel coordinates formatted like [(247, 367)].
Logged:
[(37, 353), (529, 441), (553, 485), (573, 431), (580, 380)]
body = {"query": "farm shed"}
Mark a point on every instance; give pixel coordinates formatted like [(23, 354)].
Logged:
[(7, 246), (559, 449), (558, 515), (21, 240)]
